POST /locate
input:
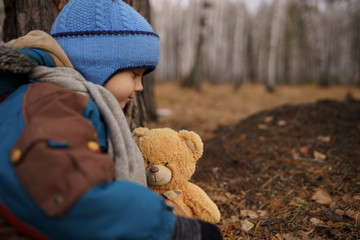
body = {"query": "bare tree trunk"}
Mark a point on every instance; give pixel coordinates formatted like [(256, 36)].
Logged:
[(23, 16), (2, 18), (240, 65), (355, 45), (277, 22), (144, 107), (260, 38), (194, 78)]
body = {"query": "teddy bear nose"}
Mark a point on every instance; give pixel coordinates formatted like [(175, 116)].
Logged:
[(154, 169)]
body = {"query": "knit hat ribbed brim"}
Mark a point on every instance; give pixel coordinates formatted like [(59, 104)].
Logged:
[(103, 37)]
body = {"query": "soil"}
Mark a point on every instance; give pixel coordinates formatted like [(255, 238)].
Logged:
[(287, 168)]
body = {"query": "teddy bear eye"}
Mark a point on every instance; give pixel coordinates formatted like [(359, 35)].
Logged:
[(148, 162), (166, 164)]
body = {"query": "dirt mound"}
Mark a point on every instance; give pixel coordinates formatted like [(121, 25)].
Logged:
[(288, 173)]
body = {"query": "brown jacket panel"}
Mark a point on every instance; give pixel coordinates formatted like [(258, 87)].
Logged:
[(56, 157)]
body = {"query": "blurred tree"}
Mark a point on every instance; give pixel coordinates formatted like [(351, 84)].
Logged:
[(276, 31), (259, 38), (310, 41), (354, 7), (296, 57), (195, 76)]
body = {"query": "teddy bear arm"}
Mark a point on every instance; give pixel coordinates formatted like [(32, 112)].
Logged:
[(200, 203)]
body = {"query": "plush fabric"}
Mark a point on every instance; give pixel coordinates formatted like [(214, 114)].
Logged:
[(170, 159)]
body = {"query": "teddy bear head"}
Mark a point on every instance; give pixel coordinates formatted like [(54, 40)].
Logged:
[(170, 157)]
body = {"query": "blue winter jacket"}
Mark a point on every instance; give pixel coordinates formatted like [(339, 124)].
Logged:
[(102, 208)]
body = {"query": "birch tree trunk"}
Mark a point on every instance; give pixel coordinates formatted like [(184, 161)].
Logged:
[(319, 44), (276, 26), (195, 76), (239, 66), (355, 20)]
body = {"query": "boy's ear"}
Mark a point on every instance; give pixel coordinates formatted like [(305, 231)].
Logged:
[(137, 133), (193, 142)]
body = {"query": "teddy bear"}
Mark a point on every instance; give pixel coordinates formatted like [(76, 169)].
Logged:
[(170, 159)]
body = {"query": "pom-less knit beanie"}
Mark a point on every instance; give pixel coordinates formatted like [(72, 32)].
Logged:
[(104, 37)]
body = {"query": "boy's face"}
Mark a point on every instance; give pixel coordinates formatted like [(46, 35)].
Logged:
[(123, 85)]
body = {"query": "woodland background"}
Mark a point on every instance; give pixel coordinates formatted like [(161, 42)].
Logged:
[(279, 41)]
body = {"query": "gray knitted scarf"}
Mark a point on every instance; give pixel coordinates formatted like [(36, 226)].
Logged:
[(129, 164)]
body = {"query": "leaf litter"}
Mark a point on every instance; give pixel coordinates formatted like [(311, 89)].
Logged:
[(296, 180)]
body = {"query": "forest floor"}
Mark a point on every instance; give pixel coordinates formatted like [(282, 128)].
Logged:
[(281, 165)]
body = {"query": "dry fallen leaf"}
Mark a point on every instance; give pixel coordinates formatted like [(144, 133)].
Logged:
[(319, 156), (252, 214), (324, 138), (268, 119), (220, 198), (249, 213), (303, 235), (304, 150), (262, 126), (234, 218), (279, 236), (244, 213), (298, 202), (348, 199), (262, 213), (316, 221), (227, 194), (339, 212), (282, 123), (262, 138), (285, 236), (321, 196), (227, 222), (353, 214), (246, 225)]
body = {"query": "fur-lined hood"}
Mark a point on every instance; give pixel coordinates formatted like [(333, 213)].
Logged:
[(42, 40), (15, 61), (12, 60)]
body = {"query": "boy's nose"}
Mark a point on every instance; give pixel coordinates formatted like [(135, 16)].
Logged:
[(139, 87)]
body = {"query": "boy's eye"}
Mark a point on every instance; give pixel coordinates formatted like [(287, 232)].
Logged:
[(136, 74)]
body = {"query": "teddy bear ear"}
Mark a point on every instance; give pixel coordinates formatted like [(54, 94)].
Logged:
[(193, 142), (137, 133)]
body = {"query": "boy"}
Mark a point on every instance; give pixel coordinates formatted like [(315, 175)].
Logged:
[(64, 138)]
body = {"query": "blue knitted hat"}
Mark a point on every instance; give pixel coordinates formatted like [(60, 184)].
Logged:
[(104, 37)]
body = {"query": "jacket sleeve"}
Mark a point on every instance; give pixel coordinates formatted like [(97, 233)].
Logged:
[(117, 210)]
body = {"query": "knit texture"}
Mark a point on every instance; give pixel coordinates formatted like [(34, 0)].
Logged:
[(103, 37)]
